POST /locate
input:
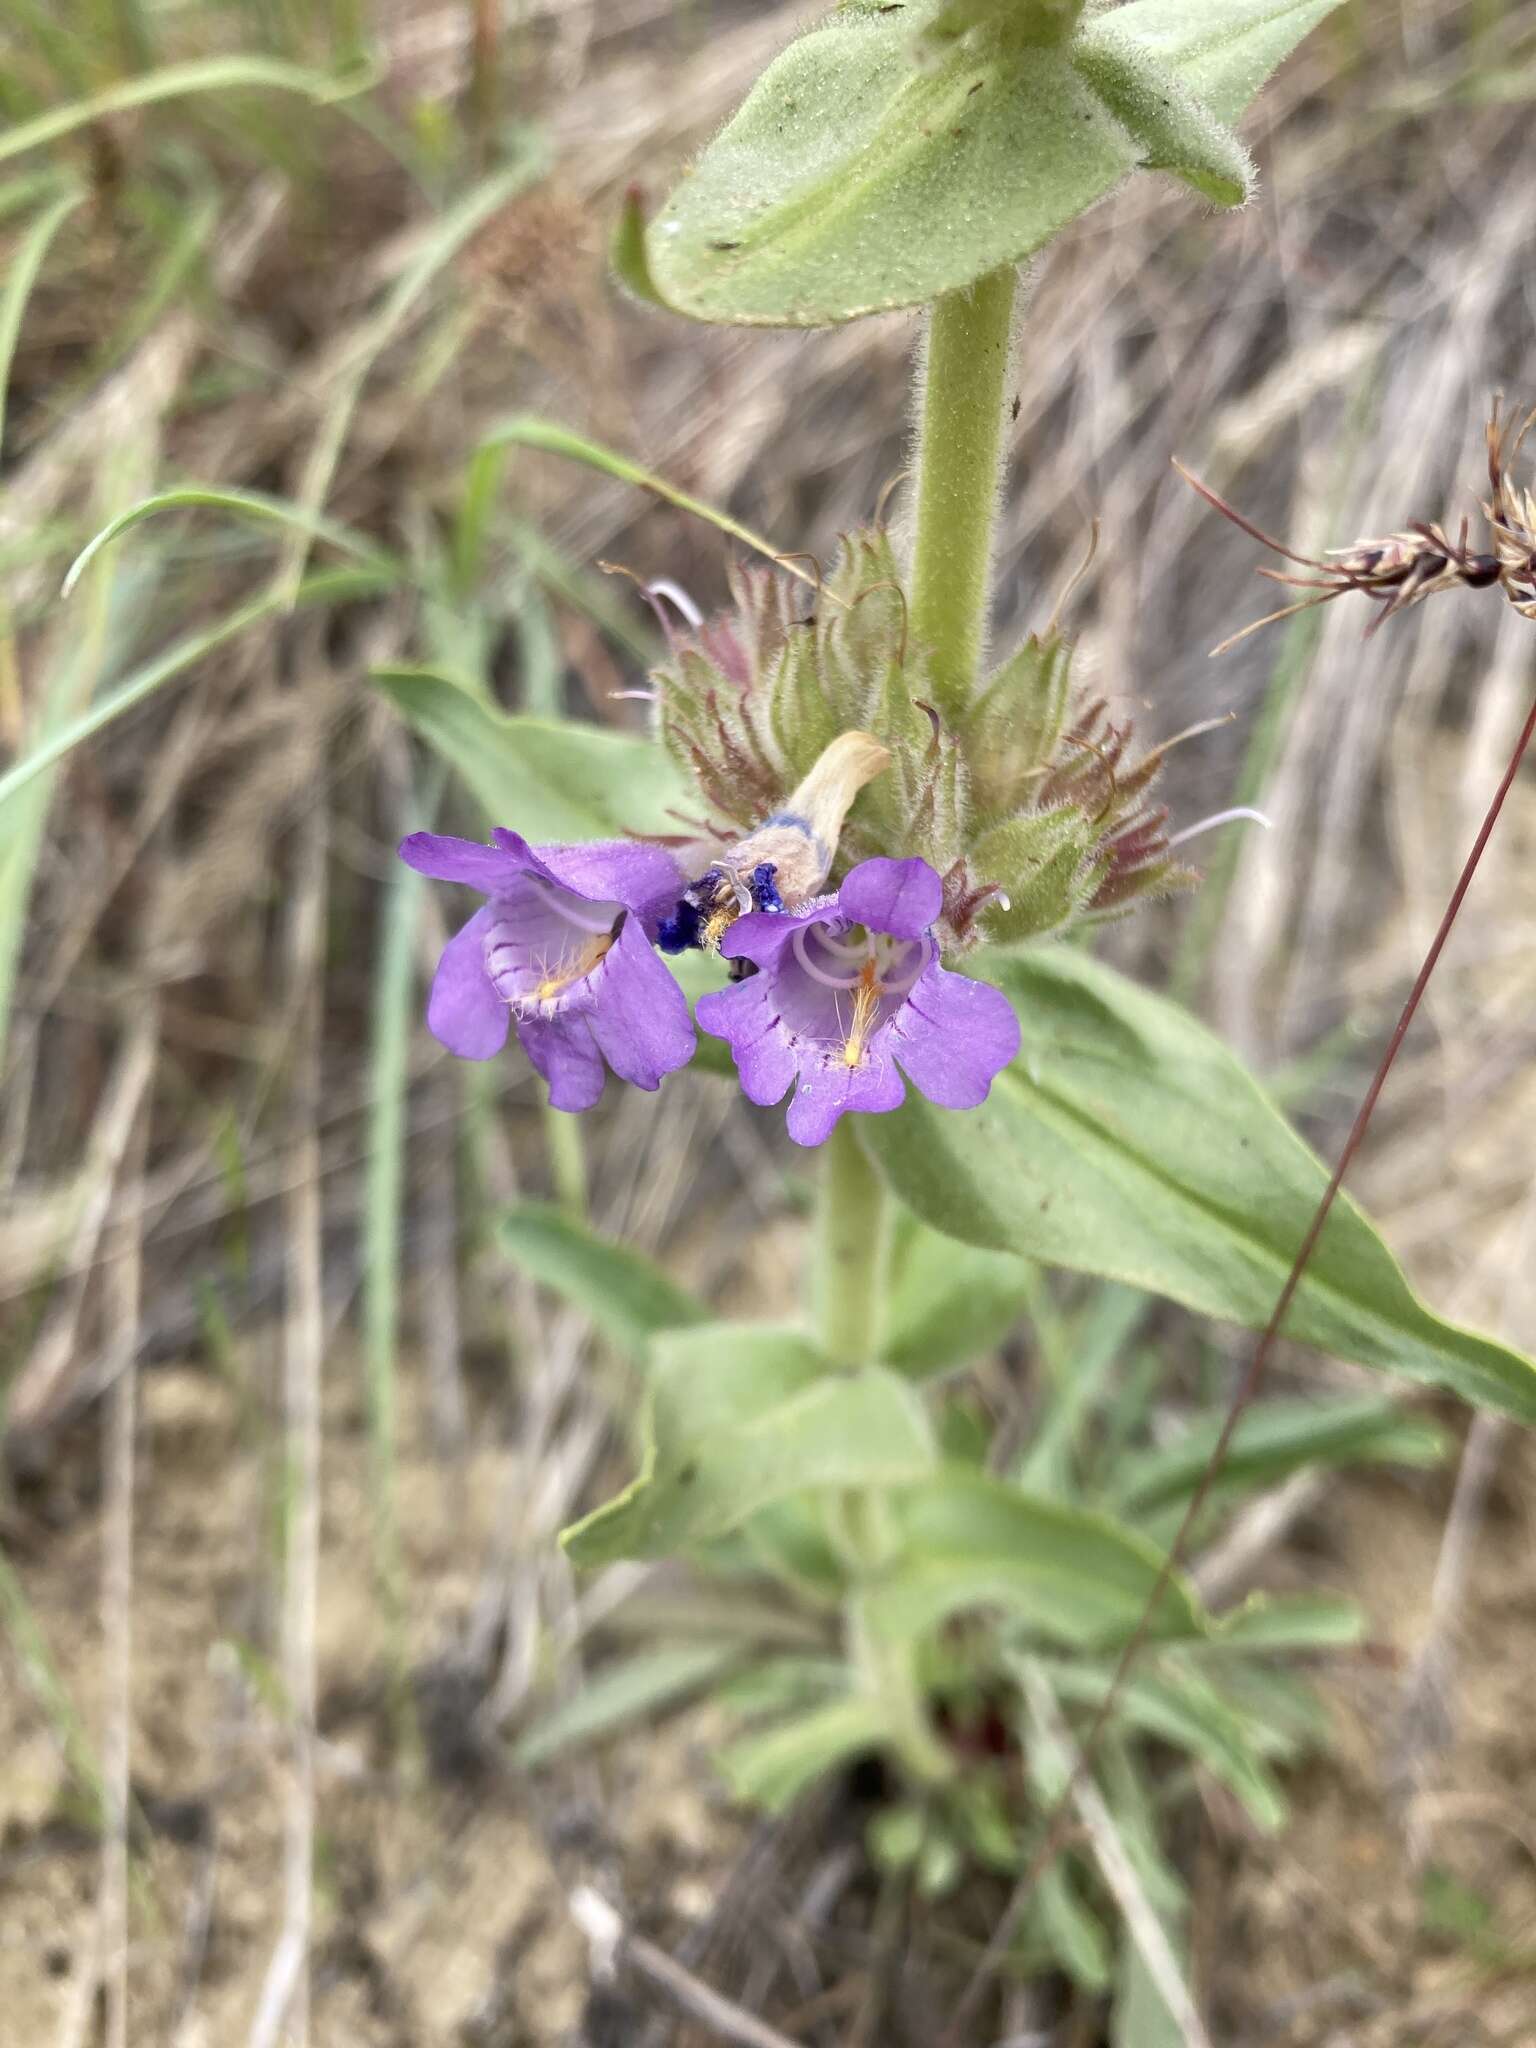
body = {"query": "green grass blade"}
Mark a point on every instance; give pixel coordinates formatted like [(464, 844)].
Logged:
[(61, 686), (394, 1008), (526, 430), (252, 505), (333, 586), (177, 81), (20, 278)]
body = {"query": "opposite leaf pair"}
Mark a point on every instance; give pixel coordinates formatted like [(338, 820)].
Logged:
[(837, 994)]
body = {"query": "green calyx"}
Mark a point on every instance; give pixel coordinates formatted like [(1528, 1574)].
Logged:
[(895, 153), (1032, 803)]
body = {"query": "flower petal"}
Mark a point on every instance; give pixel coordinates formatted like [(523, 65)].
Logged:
[(464, 1012), (638, 1015), (828, 1088), (486, 868), (761, 935), (563, 1052), (747, 1018), (645, 879), (902, 897), (952, 1036)]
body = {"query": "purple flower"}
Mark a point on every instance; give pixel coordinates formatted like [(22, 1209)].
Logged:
[(848, 991), (559, 950)]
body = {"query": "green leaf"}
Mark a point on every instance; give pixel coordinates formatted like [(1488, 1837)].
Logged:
[(1078, 1351), (969, 1541), (1074, 1931), (1182, 1709), (626, 1691), (948, 1303), (1176, 132), (771, 1769), (1275, 1439), (856, 178), (1042, 863), (551, 780), (1140, 2017), (1127, 1141), (626, 1294), (1223, 53), (743, 1416), (1278, 1621)]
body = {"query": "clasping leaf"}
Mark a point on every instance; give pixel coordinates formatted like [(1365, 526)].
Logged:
[(893, 154)]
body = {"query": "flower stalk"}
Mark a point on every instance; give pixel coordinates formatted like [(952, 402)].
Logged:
[(852, 1243), (852, 1250), (960, 458)]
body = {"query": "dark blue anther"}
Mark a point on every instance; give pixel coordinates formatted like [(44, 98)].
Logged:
[(680, 931), (765, 894)]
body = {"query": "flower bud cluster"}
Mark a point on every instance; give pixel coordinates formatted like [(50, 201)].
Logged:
[(1033, 806)]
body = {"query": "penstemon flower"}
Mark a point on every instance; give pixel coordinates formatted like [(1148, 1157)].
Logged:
[(560, 951), (848, 991)]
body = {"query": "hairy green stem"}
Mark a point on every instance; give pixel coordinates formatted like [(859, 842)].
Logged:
[(852, 1247), (959, 465), (852, 1257), (567, 1161)]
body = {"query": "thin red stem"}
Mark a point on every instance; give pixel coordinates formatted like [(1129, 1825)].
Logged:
[(1248, 1387)]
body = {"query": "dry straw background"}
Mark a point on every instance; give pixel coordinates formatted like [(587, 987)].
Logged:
[(194, 1096)]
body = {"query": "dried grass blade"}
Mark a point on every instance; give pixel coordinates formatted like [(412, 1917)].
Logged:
[(283, 2009)]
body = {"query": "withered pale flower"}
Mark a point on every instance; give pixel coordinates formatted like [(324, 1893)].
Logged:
[(785, 861)]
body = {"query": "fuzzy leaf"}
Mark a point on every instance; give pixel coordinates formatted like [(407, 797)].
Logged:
[(1127, 1141), (628, 1296), (856, 178), (743, 1416), (1044, 21), (970, 1541), (550, 780), (1223, 53), (1175, 131)]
